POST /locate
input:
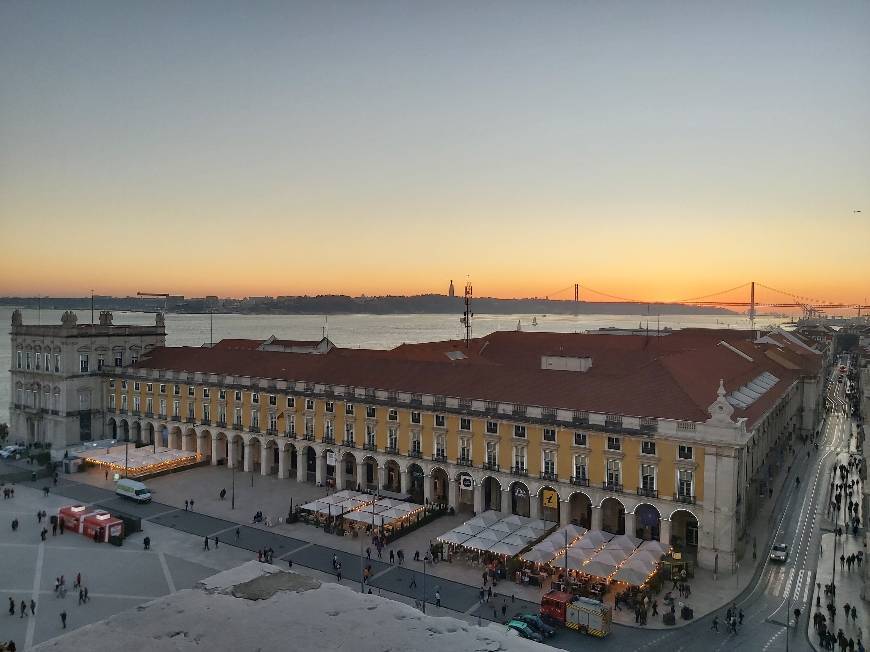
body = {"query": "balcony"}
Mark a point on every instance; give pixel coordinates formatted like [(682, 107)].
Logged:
[(290, 435), (439, 457), (350, 443), (649, 493), (612, 426), (161, 416), (254, 429), (464, 461), (417, 454), (580, 421), (176, 417), (611, 486), (684, 498), (190, 419), (205, 422), (149, 414), (370, 446), (328, 439), (549, 475), (271, 431), (55, 412), (309, 436), (520, 471), (136, 413), (490, 466), (237, 426), (122, 411), (580, 481), (649, 428), (394, 450)]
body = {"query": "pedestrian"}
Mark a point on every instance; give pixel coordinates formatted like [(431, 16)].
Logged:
[(78, 581), (107, 475), (655, 607), (63, 618), (61, 525), (223, 494), (185, 505), (369, 553), (715, 624), (854, 614), (260, 556), (842, 561), (503, 610), (81, 596), (43, 533), (11, 606), (54, 529), (480, 594), (289, 563), (238, 533), (216, 542), (416, 555), (32, 607), (205, 544), (191, 504), (23, 608), (147, 542), (392, 557), (87, 599), (740, 617), (489, 593), (338, 572), (437, 598), (334, 562)]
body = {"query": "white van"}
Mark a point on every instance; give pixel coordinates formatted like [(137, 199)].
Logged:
[(133, 490)]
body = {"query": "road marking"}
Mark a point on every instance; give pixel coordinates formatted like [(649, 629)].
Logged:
[(166, 573), (295, 550), (37, 577), (772, 639)]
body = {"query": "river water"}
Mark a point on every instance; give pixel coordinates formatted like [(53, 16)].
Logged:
[(353, 331)]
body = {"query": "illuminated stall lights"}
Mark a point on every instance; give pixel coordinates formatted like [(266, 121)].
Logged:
[(146, 469)]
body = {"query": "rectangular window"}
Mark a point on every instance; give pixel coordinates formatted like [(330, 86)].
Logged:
[(580, 439), (648, 477), (162, 388), (291, 424), (136, 386), (238, 396), (273, 400), (124, 402), (111, 401), (685, 483), (149, 387), (255, 398), (176, 390), (100, 362), (549, 462), (149, 405), (57, 362), (134, 358), (329, 429), (309, 403), (371, 412), (291, 402), (648, 447), (137, 404), (206, 409), (492, 453), (222, 415), (415, 441), (237, 416), (348, 432), (519, 458), (28, 360), (18, 357), (273, 422), (309, 427), (614, 444), (685, 452), (112, 383), (119, 358), (222, 395), (83, 362), (393, 438), (393, 415), (190, 413), (206, 393), (580, 468), (492, 427), (191, 390), (38, 365), (123, 384), (330, 407), (162, 408), (176, 407), (348, 408), (440, 446), (415, 418), (520, 431), (371, 435), (440, 421), (465, 424), (465, 448), (255, 418), (614, 473), (549, 434)]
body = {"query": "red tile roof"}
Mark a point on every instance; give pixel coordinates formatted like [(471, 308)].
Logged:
[(674, 376)]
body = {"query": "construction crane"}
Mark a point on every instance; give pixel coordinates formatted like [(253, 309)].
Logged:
[(165, 296)]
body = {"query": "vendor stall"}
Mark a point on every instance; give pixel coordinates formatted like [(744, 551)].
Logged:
[(73, 517), (101, 526)]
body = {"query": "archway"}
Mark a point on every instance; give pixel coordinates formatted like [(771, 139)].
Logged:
[(149, 433), (203, 443), (647, 522), (520, 504), (254, 448), (113, 428), (370, 473), (175, 438), (220, 449), (269, 461), (684, 532), (580, 510), (137, 432), (612, 516), (440, 484), (329, 464), (347, 479), (392, 476), (464, 500), (188, 441), (416, 478), (491, 494), (124, 431), (310, 464), (236, 452), (548, 504)]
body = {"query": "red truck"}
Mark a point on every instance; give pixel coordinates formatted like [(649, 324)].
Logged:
[(582, 614)]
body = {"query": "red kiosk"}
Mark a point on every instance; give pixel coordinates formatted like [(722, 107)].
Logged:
[(100, 525), (73, 517)]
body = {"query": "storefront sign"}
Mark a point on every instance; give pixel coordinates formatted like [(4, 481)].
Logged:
[(549, 499), (330, 458), (466, 482), (520, 492)]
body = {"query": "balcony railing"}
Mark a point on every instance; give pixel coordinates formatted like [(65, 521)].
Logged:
[(190, 420), (549, 475), (519, 470), (149, 414), (271, 431), (464, 461), (370, 446), (684, 498), (579, 481), (649, 493), (176, 417), (350, 443), (490, 466), (254, 429), (237, 426), (415, 453), (439, 457), (55, 411), (611, 486), (290, 435), (161, 416), (328, 439), (122, 411), (394, 450), (136, 413), (309, 436), (205, 422)]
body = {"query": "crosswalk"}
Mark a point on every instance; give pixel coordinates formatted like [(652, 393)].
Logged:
[(790, 581)]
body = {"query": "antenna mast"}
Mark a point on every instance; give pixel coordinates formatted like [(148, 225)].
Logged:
[(467, 315)]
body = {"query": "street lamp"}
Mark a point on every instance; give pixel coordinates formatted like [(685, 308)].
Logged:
[(425, 557)]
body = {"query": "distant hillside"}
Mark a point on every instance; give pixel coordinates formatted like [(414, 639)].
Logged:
[(342, 304)]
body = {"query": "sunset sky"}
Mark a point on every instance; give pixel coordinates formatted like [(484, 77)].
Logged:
[(654, 150)]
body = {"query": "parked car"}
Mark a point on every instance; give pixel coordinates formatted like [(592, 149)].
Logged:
[(779, 552), (537, 624), (525, 631), (10, 451)]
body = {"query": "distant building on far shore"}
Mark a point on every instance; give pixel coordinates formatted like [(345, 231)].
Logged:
[(451, 292)]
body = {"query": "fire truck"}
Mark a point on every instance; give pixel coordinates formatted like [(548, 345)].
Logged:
[(585, 615)]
